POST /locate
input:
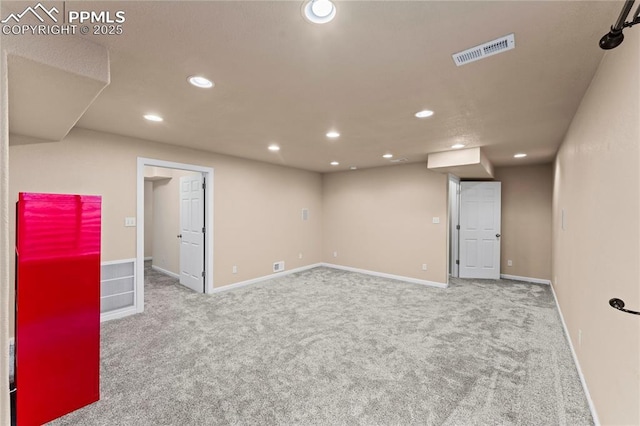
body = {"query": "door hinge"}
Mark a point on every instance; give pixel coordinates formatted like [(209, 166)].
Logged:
[(458, 227), (204, 185), (457, 262), (203, 230), (202, 274)]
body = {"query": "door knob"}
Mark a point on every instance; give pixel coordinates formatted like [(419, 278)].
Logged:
[(179, 235), (497, 235)]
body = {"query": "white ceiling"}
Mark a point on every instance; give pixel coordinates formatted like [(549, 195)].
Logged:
[(280, 79)]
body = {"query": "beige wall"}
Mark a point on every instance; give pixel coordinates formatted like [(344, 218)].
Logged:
[(381, 220), (257, 206), (148, 219), (526, 220), (596, 256), (166, 221)]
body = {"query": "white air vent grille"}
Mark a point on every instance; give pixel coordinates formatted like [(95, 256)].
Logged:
[(398, 160), (278, 266), (489, 48)]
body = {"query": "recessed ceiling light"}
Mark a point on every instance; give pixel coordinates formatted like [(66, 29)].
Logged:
[(458, 146), (387, 156), (353, 168), (333, 134), (334, 163), (153, 117), (319, 11), (520, 155), (274, 148), (424, 113), (200, 81)]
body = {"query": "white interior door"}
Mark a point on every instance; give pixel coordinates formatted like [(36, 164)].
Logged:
[(480, 204), (192, 232)]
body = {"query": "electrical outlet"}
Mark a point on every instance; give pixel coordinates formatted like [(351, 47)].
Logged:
[(509, 262), (235, 269), (335, 254), (424, 266), (435, 220)]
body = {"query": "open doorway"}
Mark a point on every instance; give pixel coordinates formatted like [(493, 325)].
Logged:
[(173, 238), (175, 224)]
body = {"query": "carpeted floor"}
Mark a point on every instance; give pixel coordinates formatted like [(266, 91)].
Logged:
[(329, 347)]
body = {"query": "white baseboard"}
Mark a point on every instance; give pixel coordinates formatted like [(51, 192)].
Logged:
[(164, 271), (592, 407), (264, 278), (148, 258), (385, 275), (525, 279), (117, 314)]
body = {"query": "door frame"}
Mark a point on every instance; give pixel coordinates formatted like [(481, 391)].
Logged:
[(453, 235), (207, 172)]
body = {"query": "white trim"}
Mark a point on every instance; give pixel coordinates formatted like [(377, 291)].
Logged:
[(148, 258), (12, 341), (115, 262), (385, 275), (526, 279), (164, 271), (208, 222), (117, 314), (592, 407), (453, 219), (241, 284)]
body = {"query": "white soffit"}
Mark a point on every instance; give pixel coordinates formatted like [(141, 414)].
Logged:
[(51, 87), (468, 163)]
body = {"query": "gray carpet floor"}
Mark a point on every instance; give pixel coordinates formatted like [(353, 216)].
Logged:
[(329, 347)]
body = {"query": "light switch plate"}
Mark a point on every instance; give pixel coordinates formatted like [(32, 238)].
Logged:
[(129, 221), (436, 220)]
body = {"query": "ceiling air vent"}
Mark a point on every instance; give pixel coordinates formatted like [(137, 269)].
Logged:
[(398, 160), (489, 48)]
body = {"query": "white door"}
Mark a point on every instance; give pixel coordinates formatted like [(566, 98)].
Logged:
[(192, 232), (480, 230)]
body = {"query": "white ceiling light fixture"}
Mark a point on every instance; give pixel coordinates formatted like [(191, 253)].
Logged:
[(520, 155), (333, 134), (274, 148), (335, 163), (424, 113), (458, 146), (153, 117), (387, 156), (319, 11), (353, 168), (201, 82)]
